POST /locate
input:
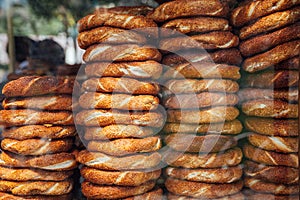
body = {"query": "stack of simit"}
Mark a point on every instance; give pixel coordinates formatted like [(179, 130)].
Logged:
[(201, 74), (119, 105), (269, 33)]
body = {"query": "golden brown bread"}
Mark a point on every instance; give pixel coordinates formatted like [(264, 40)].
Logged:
[(126, 146), (272, 127), (202, 70), (201, 100), (116, 131), (194, 144), (271, 22), (39, 131), (193, 25), (230, 127), (9, 196), (30, 117), (274, 174), (231, 157), (252, 10), (210, 115), (51, 162), (146, 69), (203, 85), (270, 157), (39, 146), (125, 21), (120, 85), (290, 95), (120, 53), (156, 193), (270, 108), (202, 190), (109, 117), (274, 143), (272, 57), (230, 56), (37, 187), (133, 162), (273, 79), (211, 40), (184, 8), (53, 102), (118, 101), (268, 187), (215, 175), (109, 35), (266, 41), (39, 85), (28, 174), (94, 191), (252, 195), (121, 178)]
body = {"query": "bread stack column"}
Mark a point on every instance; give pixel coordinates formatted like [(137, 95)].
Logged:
[(37, 157), (119, 106), (201, 75), (269, 33)]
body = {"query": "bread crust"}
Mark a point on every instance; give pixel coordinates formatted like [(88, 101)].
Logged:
[(211, 40), (199, 144), (266, 41), (274, 143), (39, 131), (146, 69), (270, 108), (37, 187), (272, 127), (53, 102), (118, 101), (274, 174), (109, 35), (230, 127), (203, 85), (10, 118), (271, 22), (270, 79), (94, 191), (185, 8), (272, 57), (203, 70), (194, 25), (132, 162), (8, 196), (37, 146), (121, 178), (237, 196), (126, 146), (120, 85), (230, 56), (247, 94), (252, 10), (231, 157), (39, 85), (267, 187), (270, 157), (211, 115), (202, 190), (217, 175), (117, 131), (201, 100), (120, 53), (28, 174), (118, 20), (262, 196), (52, 162)]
